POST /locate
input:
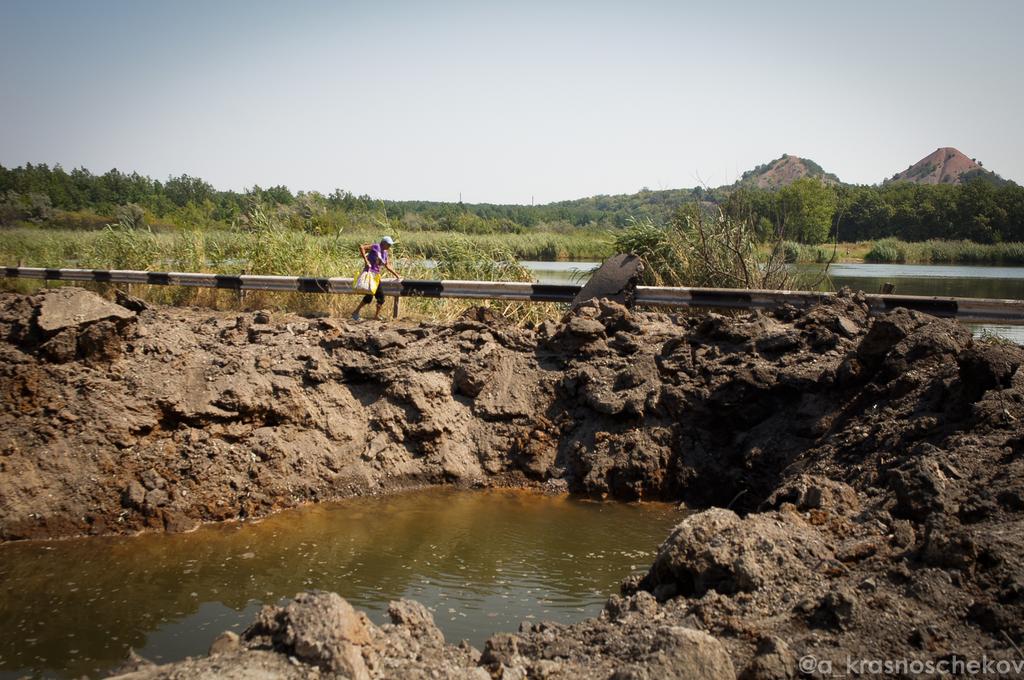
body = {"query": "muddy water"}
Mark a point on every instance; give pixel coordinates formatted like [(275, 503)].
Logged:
[(482, 561)]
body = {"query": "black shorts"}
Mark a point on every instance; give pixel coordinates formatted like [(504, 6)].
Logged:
[(379, 295)]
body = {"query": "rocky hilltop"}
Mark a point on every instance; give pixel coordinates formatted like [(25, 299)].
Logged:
[(858, 483), (783, 171), (945, 165)]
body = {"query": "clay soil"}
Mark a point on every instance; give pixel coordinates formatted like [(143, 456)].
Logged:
[(857, 481)]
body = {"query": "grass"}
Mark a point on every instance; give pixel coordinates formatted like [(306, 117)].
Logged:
[(895, 251), (711, 251), (945, 252), (267, 247), (270, 249)]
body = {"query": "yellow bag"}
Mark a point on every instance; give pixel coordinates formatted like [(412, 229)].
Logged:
[(367, 282)]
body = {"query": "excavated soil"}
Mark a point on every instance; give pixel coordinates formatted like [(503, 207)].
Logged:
[(858, 481)]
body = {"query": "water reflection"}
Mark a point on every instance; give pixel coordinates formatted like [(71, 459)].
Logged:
[(941, 280), (482, 561)]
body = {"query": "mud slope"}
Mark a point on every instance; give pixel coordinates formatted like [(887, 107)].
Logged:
[(861, 483), (115, 420)]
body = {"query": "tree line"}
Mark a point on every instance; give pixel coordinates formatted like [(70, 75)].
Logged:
[(80, 199), (810, 211), (807, 210)]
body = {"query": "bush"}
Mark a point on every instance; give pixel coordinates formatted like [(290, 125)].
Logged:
[(717, 251), (887, 250)]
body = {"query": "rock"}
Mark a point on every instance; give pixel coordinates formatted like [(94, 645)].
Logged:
[(386, 340), (177, 522), (501, 649), (836, 610), (903, 534), (883, 334), (986, 366), (811, 492), (317, 628), (129, 302), (773, 661), (688, 654), (100, 341), (62, 347), (716, 550), (641, 603), (417, 618), (584, 328), (921, 488), (226, 642), (151, 479), (133, 496), (469, 380), (782, 341), (71, 307), (155, 499), (845, 327), (616, 279), (68, 323), (261, 316)]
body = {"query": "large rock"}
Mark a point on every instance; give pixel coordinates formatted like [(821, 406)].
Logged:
[(71, 307), (317, 628), (616, 280), (773, 661), (69, 323), (717, 550), (417, 619), (689, 654)]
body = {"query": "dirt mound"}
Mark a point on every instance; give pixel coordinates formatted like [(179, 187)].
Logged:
[(862, 479), (784, 171), (945, 165)]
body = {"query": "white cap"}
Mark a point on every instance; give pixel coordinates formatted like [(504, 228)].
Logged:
[(387, 239)]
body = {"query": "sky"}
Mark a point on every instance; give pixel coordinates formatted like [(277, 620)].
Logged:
[(512, 102)]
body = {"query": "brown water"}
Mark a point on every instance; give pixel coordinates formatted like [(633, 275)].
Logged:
[(482, 561)]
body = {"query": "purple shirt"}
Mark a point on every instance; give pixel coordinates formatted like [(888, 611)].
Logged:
[(377, 257)]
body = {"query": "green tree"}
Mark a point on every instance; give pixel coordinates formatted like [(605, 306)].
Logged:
[(806, 208)]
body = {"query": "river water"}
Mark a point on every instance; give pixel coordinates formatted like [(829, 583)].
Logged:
[(482, 561)]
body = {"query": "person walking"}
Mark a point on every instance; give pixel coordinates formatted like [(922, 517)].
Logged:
[(375, 255)]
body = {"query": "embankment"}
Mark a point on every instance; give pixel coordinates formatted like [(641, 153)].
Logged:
[(862, 479)]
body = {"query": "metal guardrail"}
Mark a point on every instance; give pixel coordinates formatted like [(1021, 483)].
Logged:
[(968, 309)]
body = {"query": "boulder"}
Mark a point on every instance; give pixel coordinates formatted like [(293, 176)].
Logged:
[(417, 619), (317, 628), (717, 550), (688, 654), (71, 307), (773, 660)]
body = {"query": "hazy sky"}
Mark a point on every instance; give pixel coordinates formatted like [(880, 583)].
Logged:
[(507, 101)]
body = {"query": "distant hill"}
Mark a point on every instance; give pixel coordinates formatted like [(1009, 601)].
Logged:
[(945, 165), (783, 171)]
